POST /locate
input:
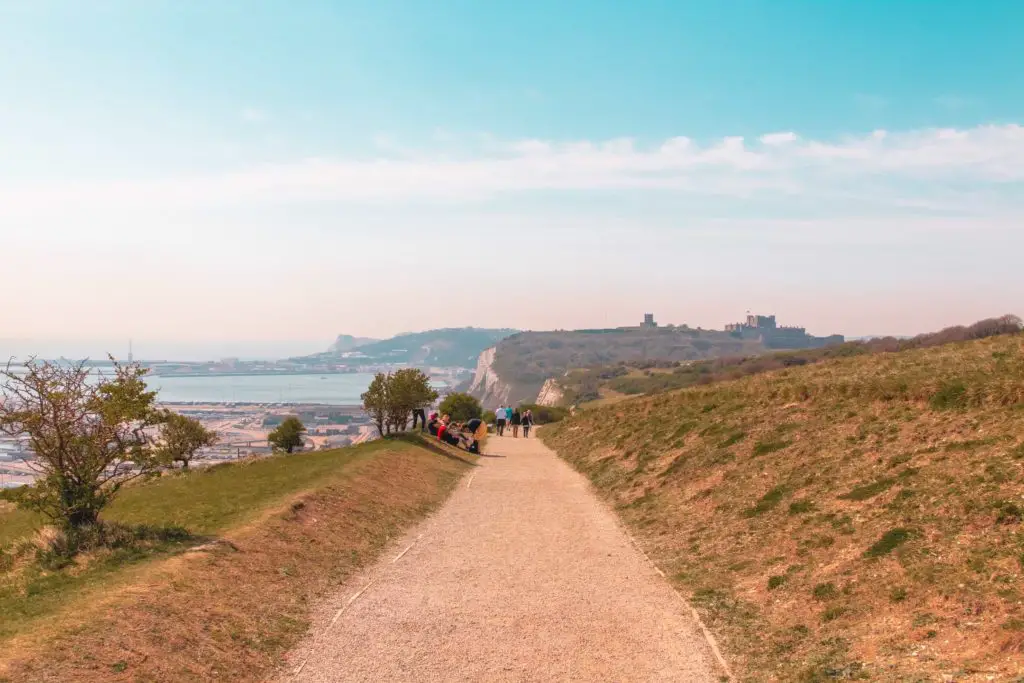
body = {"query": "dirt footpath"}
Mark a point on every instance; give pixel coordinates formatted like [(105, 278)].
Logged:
[(523, 575)]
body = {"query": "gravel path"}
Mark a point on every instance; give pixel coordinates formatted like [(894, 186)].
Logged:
[(523, 575)]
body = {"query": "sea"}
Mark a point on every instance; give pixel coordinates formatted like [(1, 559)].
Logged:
[(332, 389)]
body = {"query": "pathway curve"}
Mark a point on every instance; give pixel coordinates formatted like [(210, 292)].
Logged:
[(523, 575)]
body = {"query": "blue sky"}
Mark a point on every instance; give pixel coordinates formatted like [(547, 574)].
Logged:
[(193, 170)]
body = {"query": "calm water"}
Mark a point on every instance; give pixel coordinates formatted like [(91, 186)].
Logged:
[(332, 389), (337, 389)]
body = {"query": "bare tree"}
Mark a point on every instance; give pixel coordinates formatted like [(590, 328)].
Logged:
[(89, 434)]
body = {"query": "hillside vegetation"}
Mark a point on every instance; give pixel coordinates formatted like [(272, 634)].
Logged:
[(525, 360), (222, 584), (655, 375), (856, 518)]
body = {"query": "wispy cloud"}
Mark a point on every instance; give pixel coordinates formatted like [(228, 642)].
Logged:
[(907, 165)]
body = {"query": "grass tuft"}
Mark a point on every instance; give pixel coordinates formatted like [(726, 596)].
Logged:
[(770, 446), (866, 491), (766, 502), (890, 540)]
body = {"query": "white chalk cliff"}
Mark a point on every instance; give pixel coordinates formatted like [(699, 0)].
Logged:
[(486, 385)]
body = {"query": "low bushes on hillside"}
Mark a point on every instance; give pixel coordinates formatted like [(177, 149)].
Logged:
[(585, 385), (545, 414)]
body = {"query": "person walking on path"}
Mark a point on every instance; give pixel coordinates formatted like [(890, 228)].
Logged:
[(527, 422), (517, 419), (500, 419), (508, 414)]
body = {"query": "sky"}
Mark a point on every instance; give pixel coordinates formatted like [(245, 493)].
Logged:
[(253, 177)]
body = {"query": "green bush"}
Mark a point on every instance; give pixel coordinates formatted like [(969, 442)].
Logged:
[(776, 581), (825, 591), (950, 396), (461, 407), (543, 415)]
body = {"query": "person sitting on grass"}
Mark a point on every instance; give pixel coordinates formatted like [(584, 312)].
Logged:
[(433, 425), (471, 434)]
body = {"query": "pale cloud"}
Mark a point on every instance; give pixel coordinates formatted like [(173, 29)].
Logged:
[(778, 138), (731, 166)]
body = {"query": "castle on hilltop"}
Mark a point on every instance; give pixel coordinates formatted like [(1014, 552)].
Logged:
[(765, 329)]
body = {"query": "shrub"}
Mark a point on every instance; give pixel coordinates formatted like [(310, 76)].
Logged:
[(461, 407), (950, 396), (776, 581), (833, 613), (543, 415), (898, 594), (1008, 513), (825, 591)]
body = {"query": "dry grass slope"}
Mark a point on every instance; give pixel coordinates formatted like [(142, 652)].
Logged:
[(855, 519)]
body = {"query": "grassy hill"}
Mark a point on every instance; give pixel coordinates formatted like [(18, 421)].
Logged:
[(856, 518), (223, 584), (607, 383), (449, 347), (525, 360)]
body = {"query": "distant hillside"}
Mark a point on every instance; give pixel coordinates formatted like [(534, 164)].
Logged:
[(609, 382), (453, 347), (346, 342), (450, 347), (521, 364), (856, 518)]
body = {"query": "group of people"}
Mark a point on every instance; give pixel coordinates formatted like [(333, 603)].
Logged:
[(466, 435), (505, 417)]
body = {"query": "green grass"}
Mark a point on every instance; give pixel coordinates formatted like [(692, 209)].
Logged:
[(202, 501), (207, 500), (766, 502), (867, 491), (890, 540), (770, 446)]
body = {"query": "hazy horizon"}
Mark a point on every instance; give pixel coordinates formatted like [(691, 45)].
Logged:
[(203, 350), (252, 179)]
